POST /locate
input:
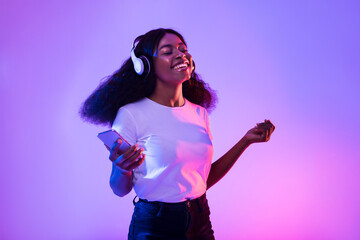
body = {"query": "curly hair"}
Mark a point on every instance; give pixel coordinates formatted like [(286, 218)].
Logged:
[(126, 86)]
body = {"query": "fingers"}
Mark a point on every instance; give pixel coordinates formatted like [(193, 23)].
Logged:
[(265, 124), (114, 151), (267, 135), (272, 127), (266, 128), (137, 163), (115, 147), (131, 159), (269, 130), (117, 157), (131, 150)]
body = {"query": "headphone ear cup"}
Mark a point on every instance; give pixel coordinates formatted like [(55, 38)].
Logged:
[(141, 64), (137, 62), (146, 64), (192, 70), (193, 67)]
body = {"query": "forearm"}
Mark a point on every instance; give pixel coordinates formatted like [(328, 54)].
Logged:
[(221, 166), (120, 182)]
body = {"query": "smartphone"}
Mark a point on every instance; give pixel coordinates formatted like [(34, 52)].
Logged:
[(110, 136)]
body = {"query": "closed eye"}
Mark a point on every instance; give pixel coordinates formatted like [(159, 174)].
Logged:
[(184, 50)]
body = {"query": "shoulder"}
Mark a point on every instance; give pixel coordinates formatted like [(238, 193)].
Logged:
[(201, 111), (132, 109), (129, 111), (135, 105)]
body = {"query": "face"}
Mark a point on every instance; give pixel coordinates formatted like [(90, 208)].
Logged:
[(173, 64)]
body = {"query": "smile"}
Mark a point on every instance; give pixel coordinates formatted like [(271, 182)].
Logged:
[(181, 66)]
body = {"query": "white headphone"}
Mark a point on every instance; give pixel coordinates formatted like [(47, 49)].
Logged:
[(141, 64)]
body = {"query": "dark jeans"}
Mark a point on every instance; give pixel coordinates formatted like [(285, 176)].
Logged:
[(188, 220)]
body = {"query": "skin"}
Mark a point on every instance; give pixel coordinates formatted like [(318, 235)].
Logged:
[(171, 52)]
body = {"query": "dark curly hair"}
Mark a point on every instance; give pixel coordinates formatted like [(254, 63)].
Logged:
[(126, 86)]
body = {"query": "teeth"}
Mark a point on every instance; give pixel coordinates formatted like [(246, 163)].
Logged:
[(180, 66)]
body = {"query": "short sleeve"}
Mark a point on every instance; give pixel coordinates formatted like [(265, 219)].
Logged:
[(125, 124), (208, 125)]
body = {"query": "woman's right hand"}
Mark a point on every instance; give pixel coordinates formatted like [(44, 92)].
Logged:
[(128, 160)]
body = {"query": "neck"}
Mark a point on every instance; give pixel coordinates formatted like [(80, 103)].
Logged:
[(170, 96)]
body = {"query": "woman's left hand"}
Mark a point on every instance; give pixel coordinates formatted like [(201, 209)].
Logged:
[(260, 133)]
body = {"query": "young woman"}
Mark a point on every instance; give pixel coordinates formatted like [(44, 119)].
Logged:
[(160, 108)]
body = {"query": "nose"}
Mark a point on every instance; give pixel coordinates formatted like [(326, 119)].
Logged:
[(180, 54)]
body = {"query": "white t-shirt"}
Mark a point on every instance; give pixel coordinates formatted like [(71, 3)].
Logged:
[(177, 147)]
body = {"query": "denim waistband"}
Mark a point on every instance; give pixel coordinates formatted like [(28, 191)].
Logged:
[(198, 202)]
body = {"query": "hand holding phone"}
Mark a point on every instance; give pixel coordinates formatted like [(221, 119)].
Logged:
[(125, 157), (109, 138)]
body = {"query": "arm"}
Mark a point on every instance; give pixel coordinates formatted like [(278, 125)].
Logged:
[(221, 166), (122, 166), (120, 181), (260, 133)]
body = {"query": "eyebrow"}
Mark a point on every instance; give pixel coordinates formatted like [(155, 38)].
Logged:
[(170, 46)]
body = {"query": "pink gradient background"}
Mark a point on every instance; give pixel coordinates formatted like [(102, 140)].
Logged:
[(294, 62)]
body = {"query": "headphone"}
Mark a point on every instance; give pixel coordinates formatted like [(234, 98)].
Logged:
[(141, 64)]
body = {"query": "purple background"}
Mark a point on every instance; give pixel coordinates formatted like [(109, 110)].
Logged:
[(294, 62)]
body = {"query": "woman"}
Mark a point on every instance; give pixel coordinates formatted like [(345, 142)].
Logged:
[(161, 110)]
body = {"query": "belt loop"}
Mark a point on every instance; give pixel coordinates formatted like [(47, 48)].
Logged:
[(161, 208), (134, 200)]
